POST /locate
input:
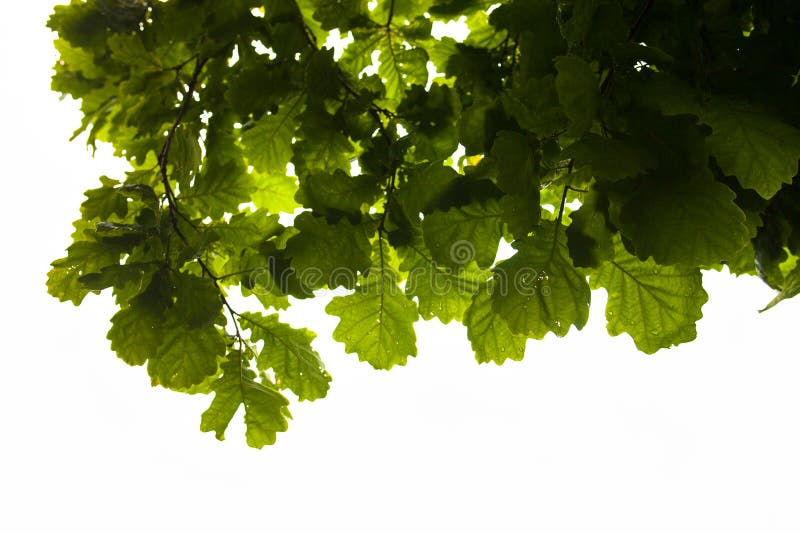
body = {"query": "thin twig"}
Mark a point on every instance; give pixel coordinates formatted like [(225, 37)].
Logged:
[(163, 157), (391, 14), (172, 202)]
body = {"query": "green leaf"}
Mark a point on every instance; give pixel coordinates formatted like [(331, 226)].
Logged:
[(358, 54), (338, 192), (535, 26), (136, 334), (472, 69), (425, 186), (518, 176), (275, 192), (77, 60), (186, 356), (656, 305), (588, 235), (475, 126), (328, 254), (578, 92), (460, 235), (287, 351), (401, 8), (377, 321), (259, 86), (755, 146), (690, 221), (140, 192), (219, 190), (431, 116), (248, 229), (538, 290), (322, 75), (596, 24), (760, 150), (119, 276), (197, 300), (288, 38), (324, 147), (535, 106), (610, 159), (83, 257), (251, 270), (482, 33), (265, 412), (442, 292), (341, 14), (489, 334), (104, 202), (516, 163), (129, 49), (185, 155), (268, 144), (401, 67), (791, 288), (521, 213), (447, 8)]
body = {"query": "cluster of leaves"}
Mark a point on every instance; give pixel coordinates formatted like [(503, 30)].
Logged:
[(617, 144)]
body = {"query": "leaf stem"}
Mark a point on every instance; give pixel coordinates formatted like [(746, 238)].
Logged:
[(389, 192), (561, 207)]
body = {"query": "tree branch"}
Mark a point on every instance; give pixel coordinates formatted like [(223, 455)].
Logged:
[(391, 14), (172, 201)]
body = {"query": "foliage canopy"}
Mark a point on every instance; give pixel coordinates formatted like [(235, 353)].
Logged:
[(617, 144)]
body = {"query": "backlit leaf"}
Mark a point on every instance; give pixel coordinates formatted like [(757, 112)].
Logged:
[(656, 305), (460, 235), (489, 334), (538, 290), (287, 351), (265, 412), (377, 321)]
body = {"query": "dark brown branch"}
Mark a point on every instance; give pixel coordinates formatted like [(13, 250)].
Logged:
[(172, 201), (163, 157), (391, 14)]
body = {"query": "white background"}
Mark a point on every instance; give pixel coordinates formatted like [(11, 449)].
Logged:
[(586, 435)]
